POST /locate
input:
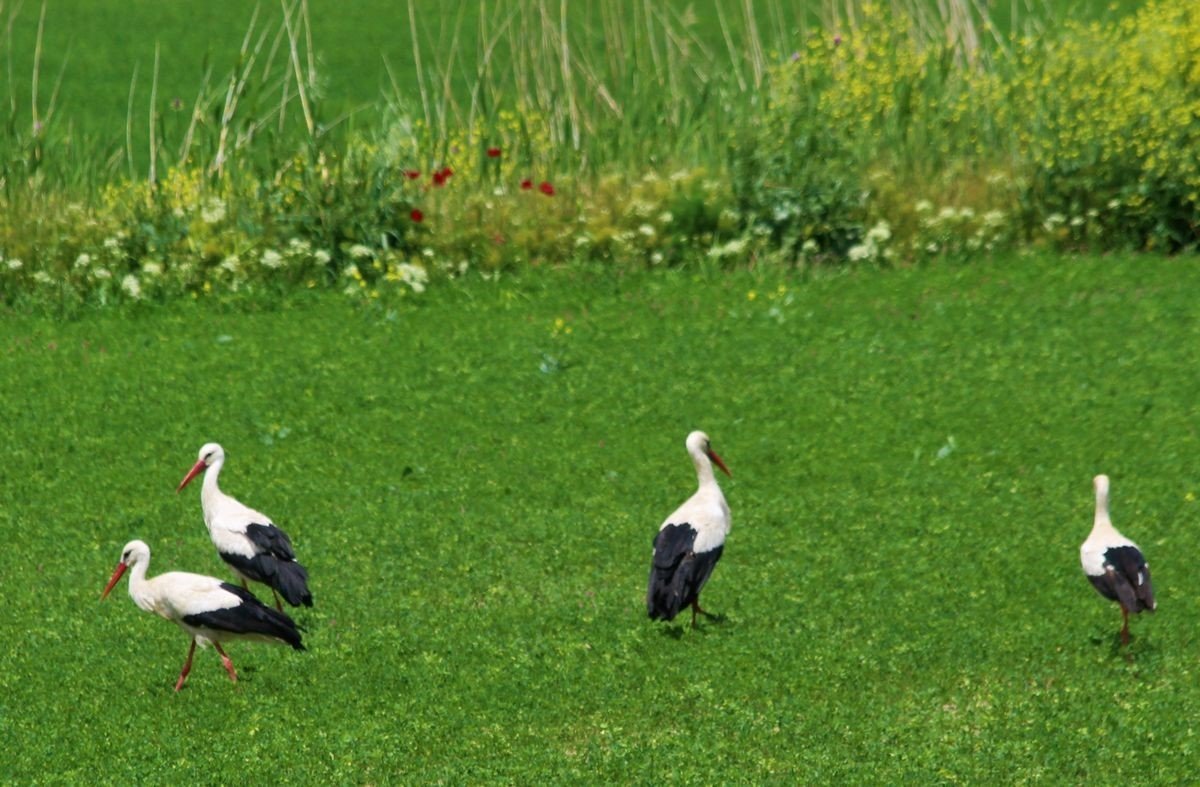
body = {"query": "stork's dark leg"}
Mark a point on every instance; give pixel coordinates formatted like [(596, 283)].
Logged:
[(225, 661), (1124, 626), (697, 608), (187, 667)]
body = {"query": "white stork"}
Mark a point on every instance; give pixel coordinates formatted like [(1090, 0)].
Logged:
[(1114, 564), (209, 610), (689, 541), (248, 541)]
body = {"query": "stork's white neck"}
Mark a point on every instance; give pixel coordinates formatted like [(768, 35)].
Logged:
[(210, 493), (704, 470), (1102, 524), (139, 588)]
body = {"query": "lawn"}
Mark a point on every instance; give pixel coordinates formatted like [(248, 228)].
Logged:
[(474, 476)]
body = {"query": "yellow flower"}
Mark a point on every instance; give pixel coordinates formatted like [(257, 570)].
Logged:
[(751, 295)]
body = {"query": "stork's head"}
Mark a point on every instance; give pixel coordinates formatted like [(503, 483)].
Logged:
[(210, 454), (698, 444), (135, 552)]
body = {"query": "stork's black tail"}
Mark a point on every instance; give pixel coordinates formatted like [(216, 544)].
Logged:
[(291, 582)]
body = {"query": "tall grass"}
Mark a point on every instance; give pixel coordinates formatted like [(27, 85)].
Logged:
[(532, 131)]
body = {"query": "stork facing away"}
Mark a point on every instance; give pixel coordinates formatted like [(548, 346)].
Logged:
[(689, 541), (1114, 564)]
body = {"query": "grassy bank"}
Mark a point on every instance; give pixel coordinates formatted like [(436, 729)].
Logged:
[(875, 134), (474, 479)]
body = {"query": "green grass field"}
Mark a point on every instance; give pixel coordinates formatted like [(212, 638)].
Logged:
[(474, 486)]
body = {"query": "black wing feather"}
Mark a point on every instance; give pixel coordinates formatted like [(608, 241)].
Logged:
[(251, 616), (274, 564), (271, 540), (677, 572), (1131, 579)]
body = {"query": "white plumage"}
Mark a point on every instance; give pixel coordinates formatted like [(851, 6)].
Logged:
[(247, 540), (209, 610), (690, 541), (1115, 565)]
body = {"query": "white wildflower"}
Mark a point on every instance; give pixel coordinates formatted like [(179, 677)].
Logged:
[(272, 259), (112, 243), (656, 257), (1077, 221), (230, 263), (1053, 220), (810, 247), (1113, 204), (880, 233), (861, 251), (665, 217), (993, 218), (41, 277), (966, 214), (152, 268), (103, 273), (414, 276), (132, 286), (646, 230), (730, 249), (322, 257), (83, 260), (427, 253), (923, 206), (213, 210), (351, 271), (14, 264), (360, 252), (178, 213), (947, 214)]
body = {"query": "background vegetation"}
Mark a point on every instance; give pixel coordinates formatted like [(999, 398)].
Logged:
[(509, 138), (474, 480)]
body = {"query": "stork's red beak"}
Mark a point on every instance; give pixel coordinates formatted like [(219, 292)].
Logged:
[(196, 470), (720, 463), (117, 574)]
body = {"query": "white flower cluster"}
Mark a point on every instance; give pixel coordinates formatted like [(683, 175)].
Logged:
[(874, 245)]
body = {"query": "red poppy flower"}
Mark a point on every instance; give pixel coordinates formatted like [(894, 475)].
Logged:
[(439, 179), (412, 174), (447, 172), (493, 152), (526, 184), (417, 215), (546, 188)]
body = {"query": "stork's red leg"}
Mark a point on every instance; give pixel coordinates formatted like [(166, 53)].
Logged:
[(226, 661), (187, 667)]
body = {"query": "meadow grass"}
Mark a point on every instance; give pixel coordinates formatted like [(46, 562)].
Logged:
[(879, 133), (474, 478)]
